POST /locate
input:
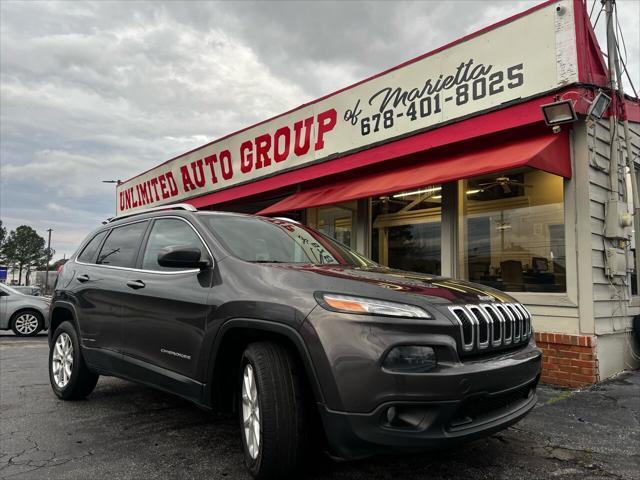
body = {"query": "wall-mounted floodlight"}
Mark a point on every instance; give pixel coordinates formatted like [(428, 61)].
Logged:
[(599, 105), (559, 112)]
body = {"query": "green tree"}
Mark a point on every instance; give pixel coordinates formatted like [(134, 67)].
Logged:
[(25, 249), (3, 239)]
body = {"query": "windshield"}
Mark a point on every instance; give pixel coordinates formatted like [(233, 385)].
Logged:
[(270, 240)]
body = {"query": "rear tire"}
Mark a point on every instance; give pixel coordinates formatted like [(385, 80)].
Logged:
[(68, 373), (272, 409), (27, 323)]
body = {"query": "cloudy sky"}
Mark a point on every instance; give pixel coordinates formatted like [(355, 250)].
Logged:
[(104, 90)]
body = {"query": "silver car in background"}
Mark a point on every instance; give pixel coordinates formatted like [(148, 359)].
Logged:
[(26, 315)]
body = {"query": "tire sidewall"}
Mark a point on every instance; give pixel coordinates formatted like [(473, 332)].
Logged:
[(67, 391), (252, 464), (17, 315)]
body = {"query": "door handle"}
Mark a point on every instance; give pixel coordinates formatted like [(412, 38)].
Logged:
[(82, 278), (135, 284)]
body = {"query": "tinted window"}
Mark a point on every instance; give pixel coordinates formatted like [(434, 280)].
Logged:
[(169, 232), (89, 253), (121, 246), (258, 239)]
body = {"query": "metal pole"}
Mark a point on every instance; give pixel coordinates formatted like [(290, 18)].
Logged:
[(46, 273), (630, 163), (613, 136)]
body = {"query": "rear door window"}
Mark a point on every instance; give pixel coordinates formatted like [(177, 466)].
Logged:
[(169, 232), (121, 246), (89, 253)]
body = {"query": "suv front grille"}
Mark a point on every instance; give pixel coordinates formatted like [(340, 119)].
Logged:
[(492, 326)]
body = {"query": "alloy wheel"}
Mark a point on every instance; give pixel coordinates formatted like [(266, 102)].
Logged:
[(250, 411), (26, 324), (62, 361)]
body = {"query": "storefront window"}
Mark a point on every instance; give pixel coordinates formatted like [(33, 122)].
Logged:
[(406, 230), (511, 227), (337, 222)]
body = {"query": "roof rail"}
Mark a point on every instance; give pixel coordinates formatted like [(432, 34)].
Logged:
[(174, 206)]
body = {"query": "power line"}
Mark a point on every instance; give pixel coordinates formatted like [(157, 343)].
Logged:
[(624, 64), (619, 28), (598, 18)]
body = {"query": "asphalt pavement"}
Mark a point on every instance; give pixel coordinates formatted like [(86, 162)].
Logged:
[(127, 431)]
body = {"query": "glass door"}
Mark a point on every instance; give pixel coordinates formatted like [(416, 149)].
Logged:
[(406, 231)]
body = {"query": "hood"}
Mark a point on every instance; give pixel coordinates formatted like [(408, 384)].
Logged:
[(37, 298), (436, 289)]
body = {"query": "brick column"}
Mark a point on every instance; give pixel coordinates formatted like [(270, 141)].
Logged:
[(568, 360)]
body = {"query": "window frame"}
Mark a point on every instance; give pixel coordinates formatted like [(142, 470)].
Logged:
[(137, 254), (138, 258), (145, 242), (107, 232)]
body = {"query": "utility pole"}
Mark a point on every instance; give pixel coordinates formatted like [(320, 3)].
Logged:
[(613, 117), (46, 273), (617, 95)]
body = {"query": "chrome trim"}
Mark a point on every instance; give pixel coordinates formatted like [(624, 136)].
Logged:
[(487, 321), (496, 316), (172, 206), (508, 318), (528, 317), (159, 272), (517, 323), (489, 307), (467, 346)]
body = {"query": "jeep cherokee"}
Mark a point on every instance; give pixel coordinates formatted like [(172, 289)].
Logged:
[(297, 334)]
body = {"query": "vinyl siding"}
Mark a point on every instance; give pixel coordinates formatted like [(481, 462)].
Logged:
[(612, 309)]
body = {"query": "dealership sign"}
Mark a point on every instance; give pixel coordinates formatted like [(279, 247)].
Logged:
[(529, 55)]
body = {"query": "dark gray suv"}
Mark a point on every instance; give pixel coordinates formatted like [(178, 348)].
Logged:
[(303, 338)]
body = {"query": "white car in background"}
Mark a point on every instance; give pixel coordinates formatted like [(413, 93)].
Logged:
[(26, 315)]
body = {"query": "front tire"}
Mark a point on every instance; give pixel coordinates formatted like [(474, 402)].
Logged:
[(27, 323), (272, 412), (68, 373)]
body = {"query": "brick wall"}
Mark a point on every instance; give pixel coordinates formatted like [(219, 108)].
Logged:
[(568, 360)]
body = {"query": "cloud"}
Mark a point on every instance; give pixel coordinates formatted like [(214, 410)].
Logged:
[(94, 91)]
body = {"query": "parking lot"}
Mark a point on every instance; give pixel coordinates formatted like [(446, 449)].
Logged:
[(128, 431)]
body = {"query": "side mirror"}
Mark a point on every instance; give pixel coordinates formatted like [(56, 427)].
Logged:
[(182, 256)]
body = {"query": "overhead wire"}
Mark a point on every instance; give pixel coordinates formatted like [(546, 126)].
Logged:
[(623, 60), (597, 18)]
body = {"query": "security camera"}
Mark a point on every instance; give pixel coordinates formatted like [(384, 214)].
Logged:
[(561, 9)]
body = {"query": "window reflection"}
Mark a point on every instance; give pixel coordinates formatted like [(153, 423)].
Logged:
[(337, 222), (512, 231), (406, 230)]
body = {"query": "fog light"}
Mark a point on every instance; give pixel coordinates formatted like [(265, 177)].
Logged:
[(410, 359), (391, 414)]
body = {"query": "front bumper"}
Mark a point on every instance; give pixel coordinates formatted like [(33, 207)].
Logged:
[(441, 424), (457, 401)]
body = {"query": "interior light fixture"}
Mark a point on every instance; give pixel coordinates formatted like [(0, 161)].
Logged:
[(558, 113), (417, 192)]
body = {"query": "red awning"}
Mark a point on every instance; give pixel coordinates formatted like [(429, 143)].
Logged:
[(548, 152)]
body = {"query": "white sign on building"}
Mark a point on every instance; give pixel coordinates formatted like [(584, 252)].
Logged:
[(527, 56)]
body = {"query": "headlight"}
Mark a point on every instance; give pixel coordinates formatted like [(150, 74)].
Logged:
[(371, 306)]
